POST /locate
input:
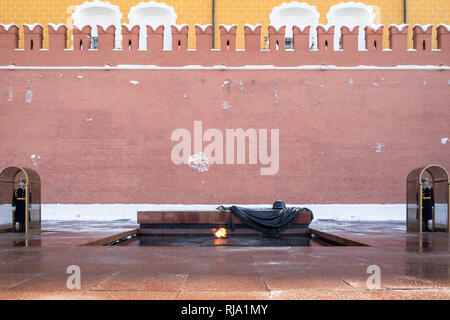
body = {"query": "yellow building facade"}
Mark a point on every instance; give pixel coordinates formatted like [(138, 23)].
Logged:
[(226, 12)]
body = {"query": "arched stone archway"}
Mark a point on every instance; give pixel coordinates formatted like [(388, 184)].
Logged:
[(154, 14), (296, 13), (30, 206), (351, 14), (441, 210), (98, 12)]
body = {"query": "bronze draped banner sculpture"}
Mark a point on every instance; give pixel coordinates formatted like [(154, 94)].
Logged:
[(271, 221)]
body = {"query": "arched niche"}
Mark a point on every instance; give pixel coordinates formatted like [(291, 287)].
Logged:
[(101, 13), (31, 204), (351, 14), (441, 188), (154, 14), (296, 13)]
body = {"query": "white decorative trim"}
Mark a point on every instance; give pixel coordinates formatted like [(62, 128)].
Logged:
[(333, 14), (77, 17), (424, 27), (109, 212), (7, 26), (151, 4), (133, 17), (223, 67), (77, 14), (274, 14), (227, 27), (399, 27), (252, 26), (276, 19)]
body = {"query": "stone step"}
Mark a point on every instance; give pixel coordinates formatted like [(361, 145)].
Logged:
[(293, 230), (214, 218)]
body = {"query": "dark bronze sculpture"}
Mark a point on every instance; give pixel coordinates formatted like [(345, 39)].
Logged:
[(271, 221)]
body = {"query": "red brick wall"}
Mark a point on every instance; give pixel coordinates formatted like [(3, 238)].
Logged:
[(329, 129)]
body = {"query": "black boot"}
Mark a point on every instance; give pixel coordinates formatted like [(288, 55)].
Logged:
[(426, 226), (424, 229)]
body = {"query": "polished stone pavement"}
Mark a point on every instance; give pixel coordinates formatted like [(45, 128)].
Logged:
[(412, 266)]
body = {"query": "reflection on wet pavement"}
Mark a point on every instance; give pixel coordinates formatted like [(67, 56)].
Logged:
[(428, 242), (66, 233), (235, 241), (412, 266), (27, 243)]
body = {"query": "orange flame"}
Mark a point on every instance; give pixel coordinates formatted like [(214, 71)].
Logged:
[(220, 233)]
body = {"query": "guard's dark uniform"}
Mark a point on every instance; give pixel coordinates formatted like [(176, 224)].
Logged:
[(18, 201), (427, 203)]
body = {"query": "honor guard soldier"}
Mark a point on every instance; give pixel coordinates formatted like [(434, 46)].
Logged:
[(427, 203), (19, 204)]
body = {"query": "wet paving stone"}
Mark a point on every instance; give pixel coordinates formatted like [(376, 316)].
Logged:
[(412, 266)]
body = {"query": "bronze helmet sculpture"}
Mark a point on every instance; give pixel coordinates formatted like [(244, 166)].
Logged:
[(278, 205)]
